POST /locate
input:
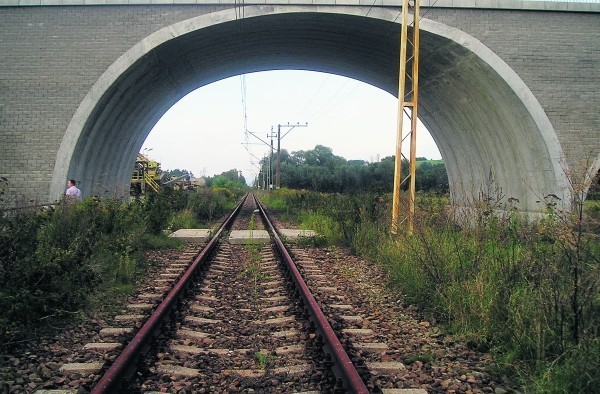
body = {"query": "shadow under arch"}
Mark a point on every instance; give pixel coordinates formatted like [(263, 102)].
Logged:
[(482, 116)]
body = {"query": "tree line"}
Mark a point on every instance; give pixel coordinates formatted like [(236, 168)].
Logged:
[(232, 179), (320, 170)]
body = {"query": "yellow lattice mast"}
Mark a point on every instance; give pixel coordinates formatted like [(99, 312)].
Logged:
[(408, 95)]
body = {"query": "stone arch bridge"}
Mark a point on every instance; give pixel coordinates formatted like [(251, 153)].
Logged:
[(507, 87)]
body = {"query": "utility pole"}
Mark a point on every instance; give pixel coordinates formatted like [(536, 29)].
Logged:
[(407, 101), (263, 181), (279, 138), (272, 135)]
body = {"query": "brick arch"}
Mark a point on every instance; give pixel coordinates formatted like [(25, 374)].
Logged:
[(480, 113)]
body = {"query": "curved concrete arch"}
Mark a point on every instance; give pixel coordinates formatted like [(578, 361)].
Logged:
[(480, 113)]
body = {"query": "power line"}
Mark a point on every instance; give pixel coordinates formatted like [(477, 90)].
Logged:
[(323, 110), (315, 95)]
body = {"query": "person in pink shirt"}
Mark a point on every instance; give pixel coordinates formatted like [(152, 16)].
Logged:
[(72, 190)]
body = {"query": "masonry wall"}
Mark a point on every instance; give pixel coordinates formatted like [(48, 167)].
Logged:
[(49, 59), (51, 56), (557, 54)]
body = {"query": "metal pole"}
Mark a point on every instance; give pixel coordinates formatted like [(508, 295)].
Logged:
[(271, 163), (407, 101), (264, 173), (401, 89), (413, 134), (279, 138), (278, 173)]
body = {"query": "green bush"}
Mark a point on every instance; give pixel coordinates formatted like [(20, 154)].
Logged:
[(183, 219), (56, 262), (576, 371), (209, 204), (531, 293), (53, 262)]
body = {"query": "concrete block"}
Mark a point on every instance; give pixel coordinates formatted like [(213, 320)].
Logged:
[(115, 331), (200, 320), (283, 350), (129, 318), (192, 234), (389, 366), (246, 373), (82, 368), (358, 331), (293, 369), (105, 346), (242, 237), (294, 234), (280, 320), (178, 370), (371, 346), (191, 334)]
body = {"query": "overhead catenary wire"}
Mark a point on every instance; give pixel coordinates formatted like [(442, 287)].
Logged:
[(335, 100), (240, 14), (323, 110)]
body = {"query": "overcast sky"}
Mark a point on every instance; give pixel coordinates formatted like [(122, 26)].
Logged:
[(204, 132)]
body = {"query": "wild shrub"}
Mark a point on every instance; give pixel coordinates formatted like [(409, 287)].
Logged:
[(53, 260), (183, 219), (530, 292), (209, 204), (157, 210)]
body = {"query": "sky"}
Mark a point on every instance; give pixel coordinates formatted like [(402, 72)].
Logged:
[(204, 131)]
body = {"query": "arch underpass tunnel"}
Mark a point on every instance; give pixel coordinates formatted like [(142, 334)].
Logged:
[(485, 121)]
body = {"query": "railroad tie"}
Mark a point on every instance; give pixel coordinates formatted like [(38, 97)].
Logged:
[(177, 370), (116, 331), (83, 368), (200, 320), (102, 346)]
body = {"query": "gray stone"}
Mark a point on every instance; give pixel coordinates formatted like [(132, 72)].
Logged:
[(82, 368), (295, 234), (240, 237), (198, 235)]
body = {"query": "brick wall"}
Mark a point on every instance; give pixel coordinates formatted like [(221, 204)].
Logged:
[(51, 56), (557, 55)]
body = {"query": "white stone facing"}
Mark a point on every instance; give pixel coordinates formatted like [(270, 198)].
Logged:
[(242, 237), (490, 4), (293, 233), (192, 234)]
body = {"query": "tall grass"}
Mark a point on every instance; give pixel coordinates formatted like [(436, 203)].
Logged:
[(528, 292), (59, 261)]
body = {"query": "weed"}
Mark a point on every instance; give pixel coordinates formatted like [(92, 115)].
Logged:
[(264, 360), (530, 292), (56, 262), (424, 358), (183, 219)]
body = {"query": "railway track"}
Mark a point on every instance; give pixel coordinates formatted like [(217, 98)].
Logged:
[(241, 328), (247, 318), (231, 320)]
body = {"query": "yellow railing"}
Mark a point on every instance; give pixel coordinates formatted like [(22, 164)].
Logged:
[(151, 182)]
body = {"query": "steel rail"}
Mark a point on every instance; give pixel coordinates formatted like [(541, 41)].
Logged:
[(112, 378), (343, 366)]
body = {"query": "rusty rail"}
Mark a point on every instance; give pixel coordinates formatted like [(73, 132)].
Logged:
[(118, 371), (343, 367)]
